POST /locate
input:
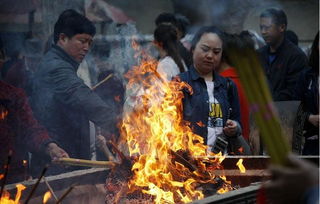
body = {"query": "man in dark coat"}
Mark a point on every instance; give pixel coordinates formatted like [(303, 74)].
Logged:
[(282, 60), (61, 100)]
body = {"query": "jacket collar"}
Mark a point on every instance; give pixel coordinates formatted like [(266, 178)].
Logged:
[(218, 80), (59, 51), (284, 42)]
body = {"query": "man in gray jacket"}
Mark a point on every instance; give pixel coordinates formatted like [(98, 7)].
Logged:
[(61, 101)]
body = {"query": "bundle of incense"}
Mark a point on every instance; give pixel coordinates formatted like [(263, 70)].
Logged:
[(256, 89), (102, 81), (87, 163)]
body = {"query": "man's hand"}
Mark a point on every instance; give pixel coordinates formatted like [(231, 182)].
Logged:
[(288, 184), (231, 128), (314, 120), (55, 152)]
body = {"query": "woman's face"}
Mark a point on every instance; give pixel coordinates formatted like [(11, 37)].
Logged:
[(207, 53)]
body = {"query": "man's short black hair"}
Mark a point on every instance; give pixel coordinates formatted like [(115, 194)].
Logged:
[(71, 23), (278, 16)]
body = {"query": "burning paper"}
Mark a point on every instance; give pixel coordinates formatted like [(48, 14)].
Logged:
[(163, 144)]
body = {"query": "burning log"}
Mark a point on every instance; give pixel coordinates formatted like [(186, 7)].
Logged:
[(83, 162)]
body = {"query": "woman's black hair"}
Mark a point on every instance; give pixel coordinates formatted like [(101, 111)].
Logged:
[(202, 31), (314, 56), (166, 35)]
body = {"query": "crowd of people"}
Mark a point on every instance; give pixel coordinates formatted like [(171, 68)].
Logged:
[(55, 121)]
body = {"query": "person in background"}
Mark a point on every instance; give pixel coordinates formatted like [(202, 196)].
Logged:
[(227, 70), (61, 100), (15, 73), (181, 23), (21, 133), (213, 108), (281, 59), (308, 93), (170, 63)]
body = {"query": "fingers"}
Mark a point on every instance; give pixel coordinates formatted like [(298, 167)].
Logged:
[(231, 128)]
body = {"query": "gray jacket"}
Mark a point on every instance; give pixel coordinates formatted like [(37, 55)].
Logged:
[(64, 104)]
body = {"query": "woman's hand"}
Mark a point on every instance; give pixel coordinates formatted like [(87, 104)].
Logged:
[(231, 128)]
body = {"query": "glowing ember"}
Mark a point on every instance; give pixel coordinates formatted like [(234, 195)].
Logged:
[(156, 134), (1, 176), (241, 167), (5, 199), (46, 197), (3, 114)]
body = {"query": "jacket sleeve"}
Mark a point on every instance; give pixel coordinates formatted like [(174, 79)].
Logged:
[(296, 65), (35, 136), (70, 90)]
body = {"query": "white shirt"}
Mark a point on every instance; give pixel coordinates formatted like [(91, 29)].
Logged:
[(215, 121), (167, 68)]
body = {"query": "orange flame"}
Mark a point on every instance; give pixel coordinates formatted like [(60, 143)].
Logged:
[(153, 129), (5, 199), (241, 167), (1, 176), (46, 197), (3, 114)]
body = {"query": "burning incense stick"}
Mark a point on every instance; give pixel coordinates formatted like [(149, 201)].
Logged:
[(50, 189), (256, 89), (87, 163), (65, 194), (6, 167), (101, 82), (36, 184)]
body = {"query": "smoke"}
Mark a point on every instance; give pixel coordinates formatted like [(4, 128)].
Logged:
[(227, 15)]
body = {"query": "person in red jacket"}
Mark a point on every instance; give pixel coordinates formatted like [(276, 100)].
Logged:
[(226, 70), (21, 133)]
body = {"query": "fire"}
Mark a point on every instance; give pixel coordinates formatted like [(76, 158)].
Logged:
[(46, 197), (5, 199), (241, 167), (155, 132), (3, 114), (1, 176)]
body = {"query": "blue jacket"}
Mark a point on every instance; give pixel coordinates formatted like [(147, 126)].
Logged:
[(196, 105)]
